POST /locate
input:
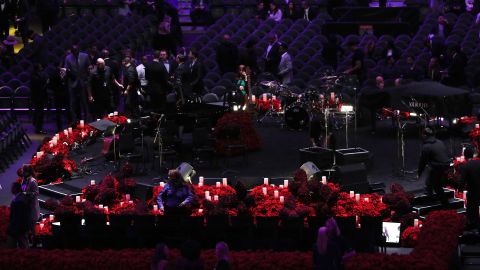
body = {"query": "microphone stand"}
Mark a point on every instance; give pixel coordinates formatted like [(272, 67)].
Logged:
[(158, 137)]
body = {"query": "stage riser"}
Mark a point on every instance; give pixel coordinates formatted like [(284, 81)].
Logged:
[(452, 204), (424, 199)]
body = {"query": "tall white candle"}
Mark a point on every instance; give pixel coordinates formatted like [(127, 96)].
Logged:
[(217, 184), (127, 197), (70, 130), (352, 194), (82, 123), (282, 199), (275, 193), (92, 182), (224, 181), (253, 99), (77, 199), (155, 208), (415, 223), (280, 186), (285, 183), (324, 180), (265, 181), (215, 197), (162, 184), (207, 193), (115, 113), (65, 132), (200, 179), (357, 197), (51, 217), (200, 184), (264, 190), (477, 125)]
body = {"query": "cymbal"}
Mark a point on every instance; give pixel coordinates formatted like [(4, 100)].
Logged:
[(269, 83), (328, 77)]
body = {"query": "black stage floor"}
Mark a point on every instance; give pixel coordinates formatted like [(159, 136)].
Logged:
[(278, 158)]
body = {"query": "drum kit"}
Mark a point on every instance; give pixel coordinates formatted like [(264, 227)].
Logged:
[(324, 101)]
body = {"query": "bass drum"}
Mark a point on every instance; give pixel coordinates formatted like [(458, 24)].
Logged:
[(296, 117)]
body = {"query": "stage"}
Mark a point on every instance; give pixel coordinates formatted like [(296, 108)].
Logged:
[(277, 158)]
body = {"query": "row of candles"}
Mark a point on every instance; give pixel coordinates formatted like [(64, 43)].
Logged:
[(264, 97)]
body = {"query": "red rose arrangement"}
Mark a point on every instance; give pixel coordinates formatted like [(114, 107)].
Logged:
[(409, 236), (266, 204), (369, 205), (265, 105), (118, 119), (236, 122)]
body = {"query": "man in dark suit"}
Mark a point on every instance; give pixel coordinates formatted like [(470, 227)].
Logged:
[(272, 55), (48, 13), (101, 82), (130, 84), (157, 77), (197, 72), (21, 18), (181, 76), (19, 222), (76, 65), (456, 69), (470, 176), (308, 13), (434, 162), (170, 66), (5, 15), (227, 55)]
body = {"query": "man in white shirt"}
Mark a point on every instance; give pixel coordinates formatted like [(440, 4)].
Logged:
[(141, 73), (285, 68)]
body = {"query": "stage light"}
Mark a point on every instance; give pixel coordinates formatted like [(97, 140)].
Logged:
[(346, 108), (413, 114), (310, 169), (186, 171)]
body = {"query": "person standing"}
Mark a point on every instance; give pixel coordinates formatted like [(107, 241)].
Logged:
[(157, 79), (38, 85), (358, 65), (308, 13), (197, 72), (5, 15), (130, 83), (180, 81), (272, 55), (58, 85), (19, 222), (227, 55), (169, 68), (76, 65), (470, 176), (101, 82), (30, 189), (285, 67), (21, 18), (48, 12), (434, 162)]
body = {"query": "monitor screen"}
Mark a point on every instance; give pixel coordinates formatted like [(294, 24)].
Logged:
[(391, 232)]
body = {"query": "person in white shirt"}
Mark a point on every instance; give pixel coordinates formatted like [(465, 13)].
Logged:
[(141, 72), (274, 13), (285, 68)]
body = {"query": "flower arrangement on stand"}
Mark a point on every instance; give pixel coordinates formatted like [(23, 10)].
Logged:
[(236, 128), (370, 205)]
